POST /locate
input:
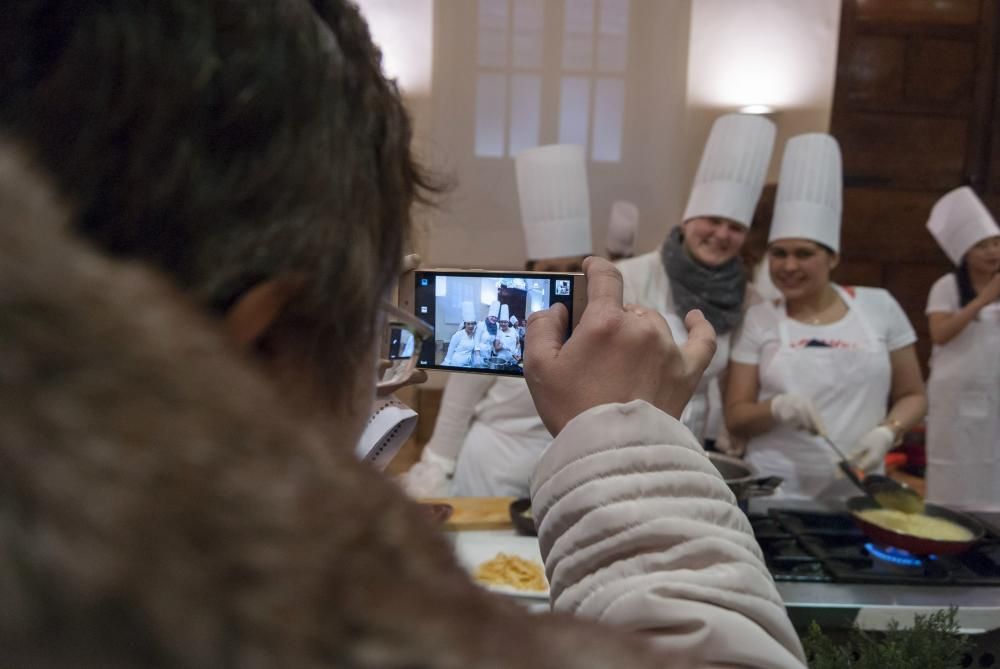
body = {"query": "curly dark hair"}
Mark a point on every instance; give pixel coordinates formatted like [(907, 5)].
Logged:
[(224, 142)]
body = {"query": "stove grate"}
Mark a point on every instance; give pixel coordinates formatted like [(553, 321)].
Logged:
[(829, 547)]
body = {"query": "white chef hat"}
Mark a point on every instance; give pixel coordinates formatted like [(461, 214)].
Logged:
[(622, 228), (810, 191), (468, 312), (494, 309), (732, 169), (959, 221), (504, 313), (513, 320), (555, 201)]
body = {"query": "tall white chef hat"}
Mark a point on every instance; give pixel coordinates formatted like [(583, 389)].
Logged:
[(494, 309), (959, 221), (622, 228), (732, 169), (555, 201), (468, 312), (504, 313), (810, 191)]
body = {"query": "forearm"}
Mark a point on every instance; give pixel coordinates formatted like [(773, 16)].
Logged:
[(945, 327), (638, 530), (907, 411), (458, 404), (749, 419)]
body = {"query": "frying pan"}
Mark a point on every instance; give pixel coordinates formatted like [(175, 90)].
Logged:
[(913, 544)]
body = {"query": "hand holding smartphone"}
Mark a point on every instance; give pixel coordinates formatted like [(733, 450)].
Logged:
[(479, 317)]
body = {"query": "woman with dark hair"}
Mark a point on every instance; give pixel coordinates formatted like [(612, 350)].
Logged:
[(963, 312), (824, 358)]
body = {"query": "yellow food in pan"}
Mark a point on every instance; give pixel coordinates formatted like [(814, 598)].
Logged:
[(512, 571), (916, 524)]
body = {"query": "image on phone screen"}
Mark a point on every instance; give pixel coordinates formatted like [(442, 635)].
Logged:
[(479, 318)]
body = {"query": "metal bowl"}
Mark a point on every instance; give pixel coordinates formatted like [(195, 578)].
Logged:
[(742, 477)]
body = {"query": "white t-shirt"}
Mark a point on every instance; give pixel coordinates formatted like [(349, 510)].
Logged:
[(758, 339), (944, 295)]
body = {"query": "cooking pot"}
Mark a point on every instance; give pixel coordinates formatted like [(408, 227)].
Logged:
[(742, 478)]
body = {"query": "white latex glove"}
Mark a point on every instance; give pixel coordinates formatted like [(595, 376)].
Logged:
[(798, 412), (872, 448), (431, 477)]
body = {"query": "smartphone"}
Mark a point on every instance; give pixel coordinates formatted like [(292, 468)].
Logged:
[(478, 317)]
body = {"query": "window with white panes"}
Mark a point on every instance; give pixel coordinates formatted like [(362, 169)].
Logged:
[(571, 53)]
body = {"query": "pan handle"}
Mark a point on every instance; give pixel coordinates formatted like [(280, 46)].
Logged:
[(852, 475), (762, 487)]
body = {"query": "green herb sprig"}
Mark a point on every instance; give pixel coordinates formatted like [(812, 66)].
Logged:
[(932, 643)]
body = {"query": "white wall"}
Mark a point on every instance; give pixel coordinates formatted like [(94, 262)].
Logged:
[(480, 225), (781, 53), (404, 31)]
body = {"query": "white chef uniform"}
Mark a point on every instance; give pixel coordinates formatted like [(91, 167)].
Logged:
[(489, 423), (848, 375), (507, 337), (728, 184), (462, 347), (963, 392), (484, 339)]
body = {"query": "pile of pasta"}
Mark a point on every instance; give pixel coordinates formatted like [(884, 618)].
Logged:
[(513, 571)]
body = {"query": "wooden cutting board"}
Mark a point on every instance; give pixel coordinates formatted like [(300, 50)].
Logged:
[(475, 513)]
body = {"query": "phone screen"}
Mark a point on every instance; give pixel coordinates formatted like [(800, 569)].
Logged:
[(479, 318)]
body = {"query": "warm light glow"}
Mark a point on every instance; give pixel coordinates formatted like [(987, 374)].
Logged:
[(778, 53), (759, 110), (488, 291), (403, 30)]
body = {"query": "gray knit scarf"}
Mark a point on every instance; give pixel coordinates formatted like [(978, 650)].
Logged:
[(717, 291)]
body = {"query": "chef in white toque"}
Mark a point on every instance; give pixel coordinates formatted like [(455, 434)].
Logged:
[(824, 359), (963, 311)]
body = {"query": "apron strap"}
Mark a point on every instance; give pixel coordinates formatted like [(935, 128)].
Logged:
[(863, 320)]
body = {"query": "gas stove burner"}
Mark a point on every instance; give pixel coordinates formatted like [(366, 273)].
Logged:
[(801, 545), (896, 557)]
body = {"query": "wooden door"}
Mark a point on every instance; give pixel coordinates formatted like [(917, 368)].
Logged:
[(914, 112)]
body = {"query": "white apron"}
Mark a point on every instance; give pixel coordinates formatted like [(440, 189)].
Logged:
[(461, 349), (509, 339), (850, 390), (963, 422), (503, 444)]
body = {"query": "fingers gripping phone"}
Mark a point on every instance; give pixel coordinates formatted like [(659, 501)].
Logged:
[(479, 317)]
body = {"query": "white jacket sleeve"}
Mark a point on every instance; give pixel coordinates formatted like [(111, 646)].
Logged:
[(451, 349), (458, 403), (638, 530)]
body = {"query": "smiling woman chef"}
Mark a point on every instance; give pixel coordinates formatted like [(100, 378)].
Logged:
[(823, 358), (698, 266), (963, 424)]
